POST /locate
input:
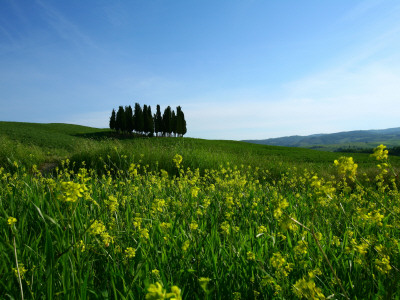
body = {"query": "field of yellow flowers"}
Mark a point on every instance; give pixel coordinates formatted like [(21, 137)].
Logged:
[(233, 232)]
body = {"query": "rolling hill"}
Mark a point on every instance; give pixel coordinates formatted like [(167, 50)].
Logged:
[(358, 139), (40, 144)]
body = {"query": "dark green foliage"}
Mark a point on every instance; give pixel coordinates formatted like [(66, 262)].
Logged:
[(150, 122), (145, 120), (129, 119), (173, 123), (120, 123), (139, 120), (158, 121), (184, 125), (167, 126), (394, 151), (112, 120), (180, 122)]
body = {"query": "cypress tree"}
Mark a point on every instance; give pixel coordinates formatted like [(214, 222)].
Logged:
[(150, 121), (124, 124), (129, 119), (181, 122), (119, 120), (173, 122), (166, 121), (155, 124), (184, 124), (158, 121), (138, 119), (145, 122), (112, 119)]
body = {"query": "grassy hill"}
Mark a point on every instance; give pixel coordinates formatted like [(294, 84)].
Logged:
[(359, 139), (51, 136), (40, 144)]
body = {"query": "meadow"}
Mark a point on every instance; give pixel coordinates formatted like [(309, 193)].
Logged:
[(180, 218)]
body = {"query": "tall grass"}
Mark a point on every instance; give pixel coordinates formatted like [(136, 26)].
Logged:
[(125, 218), (220, 234)]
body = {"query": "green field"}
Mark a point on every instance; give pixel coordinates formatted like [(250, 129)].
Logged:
[(41, 144), (88, 214)]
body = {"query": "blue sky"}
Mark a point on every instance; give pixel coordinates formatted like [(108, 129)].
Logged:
[(246, 69)]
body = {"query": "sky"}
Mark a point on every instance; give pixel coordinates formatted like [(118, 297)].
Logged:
[(240, 69)]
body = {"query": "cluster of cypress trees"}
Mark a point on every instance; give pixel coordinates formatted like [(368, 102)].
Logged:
[(142, 121)]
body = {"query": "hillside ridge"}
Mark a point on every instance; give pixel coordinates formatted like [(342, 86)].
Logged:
[(333, 141)]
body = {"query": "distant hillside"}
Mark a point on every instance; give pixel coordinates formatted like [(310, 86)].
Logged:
[(359, 139)]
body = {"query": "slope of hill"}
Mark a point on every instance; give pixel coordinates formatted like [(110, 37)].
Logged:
[(350, 139), (41, 144), (51, 135)]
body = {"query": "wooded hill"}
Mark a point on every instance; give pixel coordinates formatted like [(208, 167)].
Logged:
[(350, 141)]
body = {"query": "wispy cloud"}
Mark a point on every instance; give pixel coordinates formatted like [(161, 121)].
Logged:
[(7, 34), (360, 10), (65, 28), (115, 13)]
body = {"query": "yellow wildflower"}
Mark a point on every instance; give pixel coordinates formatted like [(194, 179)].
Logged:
[(318, 236), (383, 264), (112, 203), (81, 246), (177, 160), (11, 221), (97, 228), (165, 226), (175, 293), (22, 270), (144, 233), (194, 191), (155, 292), (71, 191), (185, 245), (130, 252), (236, 295), (107, 239), (335, 241), (314, 273), (251, 255), (346, 167), (380, 152), (261, 229), (307, 289), (204, 282), (301, 248), (225, 227), (193, 225), (282, 267)]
